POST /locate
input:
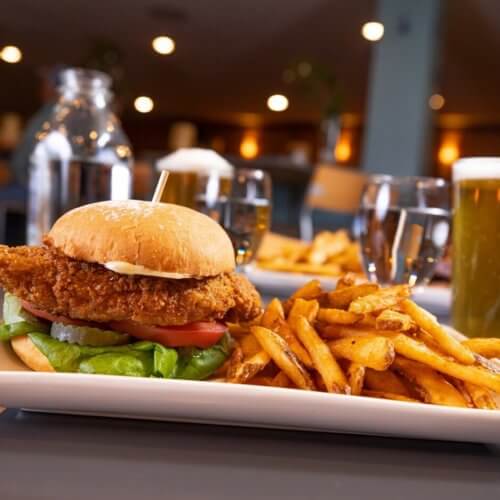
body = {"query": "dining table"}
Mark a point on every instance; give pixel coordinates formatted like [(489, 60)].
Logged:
[(55, 456)]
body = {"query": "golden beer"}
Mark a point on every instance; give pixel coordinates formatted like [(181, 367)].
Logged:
[(190, 171), (181, 189), (246, 222), (476, 247)]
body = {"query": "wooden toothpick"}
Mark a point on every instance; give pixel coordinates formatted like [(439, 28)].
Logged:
[(160, 187)]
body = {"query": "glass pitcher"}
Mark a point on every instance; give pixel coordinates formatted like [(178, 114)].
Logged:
[(81, 155)]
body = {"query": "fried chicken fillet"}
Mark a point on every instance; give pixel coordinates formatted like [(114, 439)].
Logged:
[(68, 287)]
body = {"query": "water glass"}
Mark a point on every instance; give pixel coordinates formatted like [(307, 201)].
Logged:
[(244, 210), (404, 223)]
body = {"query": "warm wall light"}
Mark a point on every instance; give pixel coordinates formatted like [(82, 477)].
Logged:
[(249, 147), (343, 148), (11, 54), (449, 150), (164, 45), (436, 102), (144, 104), (277, 102), (372, 31)]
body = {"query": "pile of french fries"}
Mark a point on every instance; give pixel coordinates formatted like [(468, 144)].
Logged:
[(360, 339), (329, 254)]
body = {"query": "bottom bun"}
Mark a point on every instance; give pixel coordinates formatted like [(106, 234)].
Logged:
[(30, 354)]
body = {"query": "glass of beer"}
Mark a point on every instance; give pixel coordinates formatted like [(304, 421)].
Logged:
[(242, 207), (191, 170), (404, 224), (476, 243)]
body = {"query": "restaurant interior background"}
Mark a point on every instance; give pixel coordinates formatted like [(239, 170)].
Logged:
[(407, 94)]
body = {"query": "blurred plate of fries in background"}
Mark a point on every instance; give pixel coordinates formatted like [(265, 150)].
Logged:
[(329, 254), (285, 264), (355, 359)]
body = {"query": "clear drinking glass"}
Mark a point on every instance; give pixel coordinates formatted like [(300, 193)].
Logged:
[(243, 208), (404, 225)]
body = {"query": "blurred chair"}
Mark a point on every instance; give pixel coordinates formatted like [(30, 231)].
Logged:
[(331, 189)]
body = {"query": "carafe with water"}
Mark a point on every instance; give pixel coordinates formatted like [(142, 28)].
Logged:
[(81, 155)]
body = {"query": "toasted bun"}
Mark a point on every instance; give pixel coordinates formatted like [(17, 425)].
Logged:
[(30, 354), (159, 236)]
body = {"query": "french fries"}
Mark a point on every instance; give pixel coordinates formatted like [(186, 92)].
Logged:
[(299, 350), (417, 351), (356, 377), (310, 290), (273, 314), (428, 323), (389, 395), (249, 345), (306, 308), (338, 316), (373, 352), (281, 380), (329, 254), (480, 396), (324, 362), (283, 356), (489, 348), (363, 340), (381, 299), (386, 381), (326, 245), (393, 320), (302, 267), (432, 386), (341, 299), (248, 369)]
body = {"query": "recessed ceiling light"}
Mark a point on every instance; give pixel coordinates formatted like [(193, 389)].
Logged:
[(372, 31), (11, 54), (436, 102), (164, 45), (144, 104), (277, 102)]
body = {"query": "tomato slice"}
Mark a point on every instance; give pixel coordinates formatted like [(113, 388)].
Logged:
[(39, 313), (200, 334)]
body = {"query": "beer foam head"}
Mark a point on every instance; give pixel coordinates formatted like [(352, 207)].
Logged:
[(195, 160), (476, 168)]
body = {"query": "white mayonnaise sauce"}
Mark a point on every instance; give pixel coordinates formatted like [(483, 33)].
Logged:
[(120, 267)]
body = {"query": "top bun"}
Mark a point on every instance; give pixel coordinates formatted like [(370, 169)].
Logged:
[(159, 236)]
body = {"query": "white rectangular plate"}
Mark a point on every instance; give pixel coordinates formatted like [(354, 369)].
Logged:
[(240, 405)]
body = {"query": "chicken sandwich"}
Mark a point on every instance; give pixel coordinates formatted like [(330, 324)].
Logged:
[(125, 288)]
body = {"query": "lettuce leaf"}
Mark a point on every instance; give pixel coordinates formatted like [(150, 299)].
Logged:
[(13, 313), (198, 364), (140, 359), (8, 331)]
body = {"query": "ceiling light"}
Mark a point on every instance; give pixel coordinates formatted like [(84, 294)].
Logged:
[(144, 104), (436, 102), (277, 102), (372, 31), (11, 54), (163, 45)]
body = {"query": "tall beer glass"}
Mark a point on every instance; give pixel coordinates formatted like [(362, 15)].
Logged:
[(476, 247), (191, 168)]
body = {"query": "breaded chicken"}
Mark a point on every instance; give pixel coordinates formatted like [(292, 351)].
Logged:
[(63, 286)]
